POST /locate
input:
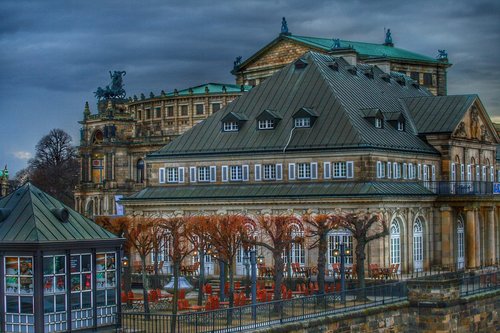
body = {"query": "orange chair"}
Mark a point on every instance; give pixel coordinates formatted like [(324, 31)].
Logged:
[(130, 295), (182, 304), (124, 297), (182, 294)]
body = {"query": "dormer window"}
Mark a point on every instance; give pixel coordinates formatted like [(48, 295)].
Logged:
[(230, 126), (378, 123), (266, 124), (374, 116), (302, 122), (401, 126)]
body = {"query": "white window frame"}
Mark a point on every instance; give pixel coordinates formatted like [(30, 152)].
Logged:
[(401, 126), (314, 170), (269, 172), (339, 169), (192, 174), (225, 173), (172, 175), (230, 126), (327, 170), (303, 170), (181, 174), (418, 245), (389, 170), (203, 174), (266, 124), (378, 123), (291, 171), (161, 175), (395, 243), (302, 122), (257, 172), (236, 173), (279, 171)]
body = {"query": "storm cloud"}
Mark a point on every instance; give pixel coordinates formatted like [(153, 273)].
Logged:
[(56, 53)]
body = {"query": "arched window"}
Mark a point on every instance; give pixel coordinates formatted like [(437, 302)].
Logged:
[(335, 237), (395, 242), (418, 248), (140, 171), (97, 169), (97, 137), (297, 249), (460, 243), (89, 211)]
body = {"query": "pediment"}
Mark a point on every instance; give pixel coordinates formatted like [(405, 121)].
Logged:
[(476, 125)]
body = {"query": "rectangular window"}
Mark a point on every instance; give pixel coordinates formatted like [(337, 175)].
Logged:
[(378, 123), (148, 113), (401, 126), (405, 171), (266, 124), (139, 114), (224, 173), (181, 175), (396, 173), (415, 76), (161, 175), (269, 171), (246, 172), (236, 172), (106, 279), (380, 169), (158, 112), (216, 107), (339, 170), (279, 171), (184, 110), (230, 126), (419, 171), (170, 111), (389, 170), (327, 170), (258, 172), (291, 171), (19, 289), (192, 174), (172, 175), (302, 122), (204, 174), (200, 109), (411, 171), (428, 79), (81, 290), (213, 173), (303, 170), (350, 169), (314, 170)]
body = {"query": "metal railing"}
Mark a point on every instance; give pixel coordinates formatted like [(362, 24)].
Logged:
[(460, 187), (265, 314), (480, 283)]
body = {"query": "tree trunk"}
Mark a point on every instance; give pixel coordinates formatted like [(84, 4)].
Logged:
[(175, 298), (278, 274), (322, 248), (145, 285), (360, 267), (201, 280), (231, 284)]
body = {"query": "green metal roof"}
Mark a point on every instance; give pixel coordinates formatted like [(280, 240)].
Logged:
[(30, 219), (301, 190), (367, 50), (336, 96), (213, 88)]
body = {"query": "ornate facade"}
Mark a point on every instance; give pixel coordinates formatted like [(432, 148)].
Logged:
[(116, 139), (4, 182), (326, 134)]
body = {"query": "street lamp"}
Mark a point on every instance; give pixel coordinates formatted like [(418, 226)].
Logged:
[(342, 251), (253, 262), (125, 262), (246, 263)]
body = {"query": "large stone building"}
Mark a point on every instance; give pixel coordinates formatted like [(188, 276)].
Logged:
[(116, 139), (285, 48), (326, 133), (4, 182)]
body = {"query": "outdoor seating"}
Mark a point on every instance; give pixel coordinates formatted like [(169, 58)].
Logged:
[(374, 271), (394, 271), (190, 270), (162, 296)]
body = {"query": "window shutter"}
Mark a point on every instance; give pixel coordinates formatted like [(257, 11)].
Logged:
[(181, 175), (453, 175), (419, 171), (245, 171), (314, 170), (484, 174), (291, 171), (379, 169), (433, 173), (224, 172), (327, 170), (405, 171), (161, 175), (469, 172), (477, 173), (411, 171), (279, 171), (389, 170), (350, 169), (257, 175), (492, 174), (395, 171), (213, 173), (192, 174), (462, 172)]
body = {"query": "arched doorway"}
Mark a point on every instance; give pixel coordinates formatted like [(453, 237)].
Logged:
[(418, 245), (460, 243), (395, 245)]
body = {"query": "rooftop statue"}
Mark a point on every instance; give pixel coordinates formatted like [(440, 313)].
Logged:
[(115, 91), (443, 55), (336, 43), (284, 26), (388, 37), (237, 62)]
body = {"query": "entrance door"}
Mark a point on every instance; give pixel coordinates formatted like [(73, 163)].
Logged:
[(460, 244), (396, 243), (418, 250)]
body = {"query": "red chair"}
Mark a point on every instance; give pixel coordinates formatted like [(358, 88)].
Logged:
[(207, 289), (124, 297), (182, 294)]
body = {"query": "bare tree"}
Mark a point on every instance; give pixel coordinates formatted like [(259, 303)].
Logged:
[(318, 226), (364, 227), (55, 167)]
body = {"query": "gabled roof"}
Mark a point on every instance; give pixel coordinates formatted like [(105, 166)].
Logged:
[(365, 50), (301, 190), (394, 116), (336, 97), (212, 88), (268, 114), (304, 112), (438, 114), (233, 116), (30, 219)]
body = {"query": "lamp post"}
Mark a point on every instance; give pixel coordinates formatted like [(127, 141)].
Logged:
[(246, 263), (342, 251), (253, 263)]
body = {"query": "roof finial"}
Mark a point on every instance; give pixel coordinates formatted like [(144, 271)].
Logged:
[(388, 38), (284, 27), (86, 111)]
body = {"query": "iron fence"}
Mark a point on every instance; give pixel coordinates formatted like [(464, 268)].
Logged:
[(479, 283)]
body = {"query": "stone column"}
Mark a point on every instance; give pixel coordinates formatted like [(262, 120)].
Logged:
[(446, 239), (478, 238), (490, 232), (470, 232)]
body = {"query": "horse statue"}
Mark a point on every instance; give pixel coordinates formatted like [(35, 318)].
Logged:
[(115, 91)]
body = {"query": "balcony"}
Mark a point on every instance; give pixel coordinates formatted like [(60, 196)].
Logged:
[(462, 188)]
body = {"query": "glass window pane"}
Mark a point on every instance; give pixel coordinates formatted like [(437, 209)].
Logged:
[(48, 265), (75, 282), (110, 259), (75, 301), (12, 304), (86, 283), (100, 261), (86, 300), (11, 284), (48, 284), (60, 303), (60, 265), (26, 304), (26, 284), (75, 263), (60, 283), (110, 279), (86, 263), (11, 265), (101, 297), (48, 304), (26, 266), (101, 279), (111, 296)]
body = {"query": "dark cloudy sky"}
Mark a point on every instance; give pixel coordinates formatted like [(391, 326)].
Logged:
[(53, 54)]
